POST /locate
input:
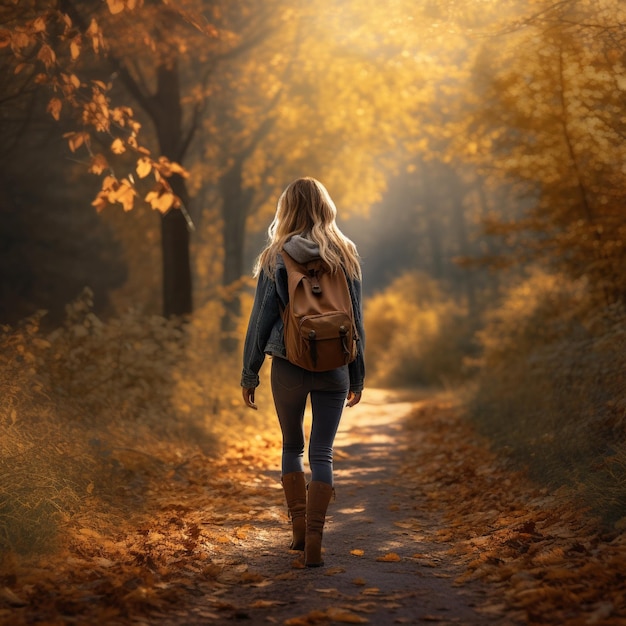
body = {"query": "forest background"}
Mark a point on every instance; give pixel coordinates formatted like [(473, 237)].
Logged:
[(475, 149)]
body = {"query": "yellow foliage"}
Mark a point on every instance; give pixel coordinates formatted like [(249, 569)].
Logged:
[(415, 334)]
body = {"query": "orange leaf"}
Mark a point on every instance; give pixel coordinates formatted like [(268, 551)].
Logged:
[(371, 591), (20, 39), (345, 616), (115, 6), (54, 108), (168, 168), (118, 147), (39, 25), (94, 32), (161, 201), (144, 167), (125, 195), (266, 604), (357, 552), (98, 164), (100, 202), (75, 48), (46, 55), (109, 183), (175, 168), (77, 140), (390, 557), (306, 620)]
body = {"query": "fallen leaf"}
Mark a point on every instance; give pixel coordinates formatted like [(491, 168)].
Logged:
[(344, 616), (266, 604), (252, 577), (371, 591), (11, 598), (306, 620)]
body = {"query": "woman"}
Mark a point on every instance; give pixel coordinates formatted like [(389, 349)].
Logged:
[(305, 227)]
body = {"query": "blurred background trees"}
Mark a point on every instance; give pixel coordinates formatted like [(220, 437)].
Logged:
[(475, 151)]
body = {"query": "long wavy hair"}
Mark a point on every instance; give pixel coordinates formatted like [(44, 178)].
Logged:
[(306, 208)]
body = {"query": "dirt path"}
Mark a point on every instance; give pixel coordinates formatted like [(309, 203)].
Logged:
[(377, 568), (429, 526)]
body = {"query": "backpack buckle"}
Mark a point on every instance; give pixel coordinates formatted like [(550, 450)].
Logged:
[(314, 280)]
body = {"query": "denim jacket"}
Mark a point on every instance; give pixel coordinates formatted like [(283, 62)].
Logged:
[(265, 328)]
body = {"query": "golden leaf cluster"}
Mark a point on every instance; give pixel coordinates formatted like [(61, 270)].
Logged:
[(49, 45)]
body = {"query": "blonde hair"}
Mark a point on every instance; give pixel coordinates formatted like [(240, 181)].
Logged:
[(305, 207)]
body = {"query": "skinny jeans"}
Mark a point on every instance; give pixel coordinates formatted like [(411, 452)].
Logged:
[(291, 385)]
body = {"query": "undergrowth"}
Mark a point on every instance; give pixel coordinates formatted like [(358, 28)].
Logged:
[(94, 412), (552, 389), (417, 335)]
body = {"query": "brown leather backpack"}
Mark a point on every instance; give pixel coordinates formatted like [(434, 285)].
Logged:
[(320, 333)]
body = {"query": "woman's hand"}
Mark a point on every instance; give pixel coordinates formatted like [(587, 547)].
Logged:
[(354, 397), (248, 397)]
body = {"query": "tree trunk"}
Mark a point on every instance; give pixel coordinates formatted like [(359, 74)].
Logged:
[(165, 109), (236, 205), (493, 278), (463, 244), (433, 224), (177, 286), (168, 120)]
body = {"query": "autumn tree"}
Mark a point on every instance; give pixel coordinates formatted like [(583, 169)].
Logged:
[(47, 42), (548, 119)]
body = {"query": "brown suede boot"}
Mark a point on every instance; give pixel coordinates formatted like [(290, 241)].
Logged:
[(295, 494), (317, 504)]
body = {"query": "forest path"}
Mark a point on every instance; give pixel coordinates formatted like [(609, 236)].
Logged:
[(378, 568), (429, 526)]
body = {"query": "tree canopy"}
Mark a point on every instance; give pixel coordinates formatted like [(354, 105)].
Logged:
[(508, 114)]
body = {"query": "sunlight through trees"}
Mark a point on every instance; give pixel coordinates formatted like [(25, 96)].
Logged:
[(475, 150)]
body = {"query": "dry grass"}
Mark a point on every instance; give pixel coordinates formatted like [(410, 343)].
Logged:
[(95, 412), (552, 389)]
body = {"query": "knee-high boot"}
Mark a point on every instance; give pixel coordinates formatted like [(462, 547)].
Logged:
[(295, 494), (317, 503)]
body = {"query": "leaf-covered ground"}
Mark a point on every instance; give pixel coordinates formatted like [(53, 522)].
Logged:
[(427, 526)]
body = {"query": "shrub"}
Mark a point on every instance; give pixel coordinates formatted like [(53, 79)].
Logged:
[(551, 389), (416, 334), (93, 408)]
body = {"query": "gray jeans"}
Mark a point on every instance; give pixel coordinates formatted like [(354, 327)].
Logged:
[(291, 385)]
